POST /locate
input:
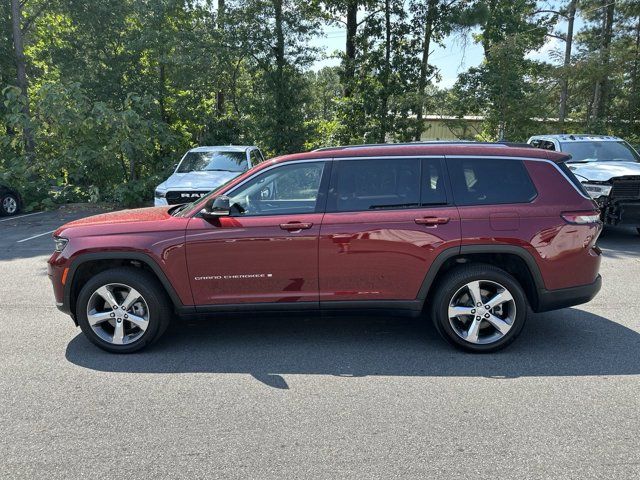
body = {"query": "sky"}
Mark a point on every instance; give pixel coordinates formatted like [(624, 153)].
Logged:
[(457, 54)]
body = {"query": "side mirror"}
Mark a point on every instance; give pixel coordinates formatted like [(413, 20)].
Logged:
[(218, 207)]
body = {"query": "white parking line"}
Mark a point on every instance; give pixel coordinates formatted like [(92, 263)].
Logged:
[(20, 216), (35, 236)]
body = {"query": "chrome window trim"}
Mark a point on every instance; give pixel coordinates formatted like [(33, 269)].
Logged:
[(445, 156), (271, 167)]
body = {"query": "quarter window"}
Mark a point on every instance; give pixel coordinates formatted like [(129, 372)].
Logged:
[(483, 181), (288, 189)]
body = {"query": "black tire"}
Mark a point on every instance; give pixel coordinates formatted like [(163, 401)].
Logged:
[(159, 307), (456, 279), (8, 202), (638, 230)]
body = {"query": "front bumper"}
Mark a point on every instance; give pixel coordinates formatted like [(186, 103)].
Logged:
[(159, 202), (567, 297)]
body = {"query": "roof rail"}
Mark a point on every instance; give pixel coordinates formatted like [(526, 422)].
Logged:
[(428, 142)]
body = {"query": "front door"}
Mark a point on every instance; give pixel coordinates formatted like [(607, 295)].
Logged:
[(387, 219), (266, 251)]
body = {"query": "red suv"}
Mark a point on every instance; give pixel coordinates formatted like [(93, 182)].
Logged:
[(472, 235)]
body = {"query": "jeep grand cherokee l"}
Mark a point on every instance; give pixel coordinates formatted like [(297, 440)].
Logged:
[(471, 235), (609, 169)]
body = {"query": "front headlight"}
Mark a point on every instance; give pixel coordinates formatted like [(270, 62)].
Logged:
[(597, 191), (60, 242), (160, 194)]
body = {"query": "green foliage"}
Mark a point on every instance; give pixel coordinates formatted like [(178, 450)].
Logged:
[(119, 89)]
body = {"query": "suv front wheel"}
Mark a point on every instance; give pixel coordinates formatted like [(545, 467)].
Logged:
[(479, 308), (123, 310)]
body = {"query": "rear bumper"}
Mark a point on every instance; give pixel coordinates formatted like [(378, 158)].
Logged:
[(567, 297)]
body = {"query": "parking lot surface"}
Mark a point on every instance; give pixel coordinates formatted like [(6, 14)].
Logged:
[(335, 398)]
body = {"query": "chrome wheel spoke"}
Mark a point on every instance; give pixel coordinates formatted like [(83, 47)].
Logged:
[(139, 322), (458, 311), (502, 297), (107, 296), (98, 317), (118, 333), (474, 291), (474, 331), (131, 297), (500, 325)]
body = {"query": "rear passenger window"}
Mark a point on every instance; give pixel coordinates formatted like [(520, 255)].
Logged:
[(376, 184), (389, 183), (485, 181)]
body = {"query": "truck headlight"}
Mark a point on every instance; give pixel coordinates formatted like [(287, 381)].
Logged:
[(160, 194), (597, 191), (60, 242)]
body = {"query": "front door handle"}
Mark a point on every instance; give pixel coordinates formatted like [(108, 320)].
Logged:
[(432, 220), (295, 226)]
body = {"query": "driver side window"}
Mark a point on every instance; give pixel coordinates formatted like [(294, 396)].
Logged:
[(288, 189)]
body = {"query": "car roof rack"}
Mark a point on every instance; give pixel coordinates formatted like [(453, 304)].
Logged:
[(430, 142)]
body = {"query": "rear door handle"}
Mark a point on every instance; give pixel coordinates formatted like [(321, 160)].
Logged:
[(432, 220), (295, 226)]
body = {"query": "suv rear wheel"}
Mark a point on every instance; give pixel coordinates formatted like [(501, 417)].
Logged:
[(479, 308), (123, 310)]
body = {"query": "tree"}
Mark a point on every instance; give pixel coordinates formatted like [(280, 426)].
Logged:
[(500, 88)]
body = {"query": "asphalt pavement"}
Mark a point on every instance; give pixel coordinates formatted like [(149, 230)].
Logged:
[(297, 397)]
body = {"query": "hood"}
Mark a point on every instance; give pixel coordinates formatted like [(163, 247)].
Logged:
[(197, 180), (604, 171), (137, 215)]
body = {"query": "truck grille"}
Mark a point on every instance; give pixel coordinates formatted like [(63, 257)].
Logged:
[(184, 196), (626, 188)]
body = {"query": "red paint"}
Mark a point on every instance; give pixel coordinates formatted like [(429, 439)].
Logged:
[(373, 255), (381, 255)]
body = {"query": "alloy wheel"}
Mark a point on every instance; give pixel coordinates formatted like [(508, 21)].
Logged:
[(482, 312), (118, 314), (9, 205)]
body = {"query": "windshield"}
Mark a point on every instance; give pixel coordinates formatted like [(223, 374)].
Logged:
[(213, 161), (595, 151)]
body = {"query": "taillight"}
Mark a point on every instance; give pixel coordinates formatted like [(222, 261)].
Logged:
[(581, 218)]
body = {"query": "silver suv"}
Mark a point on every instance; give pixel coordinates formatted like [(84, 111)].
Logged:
[(609, 170), (203, 169)]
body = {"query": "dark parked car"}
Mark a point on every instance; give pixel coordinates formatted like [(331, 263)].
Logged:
[(10, 201), (471, 235)]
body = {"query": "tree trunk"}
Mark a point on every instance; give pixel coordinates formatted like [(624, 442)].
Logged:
[(220, 94), (601, 90), (280, 101), (634, 93), (350, 47), (162, 93), (424, 65), (564, 82), (384, 96), (21, 67)]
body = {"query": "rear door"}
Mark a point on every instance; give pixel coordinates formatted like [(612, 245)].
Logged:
[(386, 221)]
